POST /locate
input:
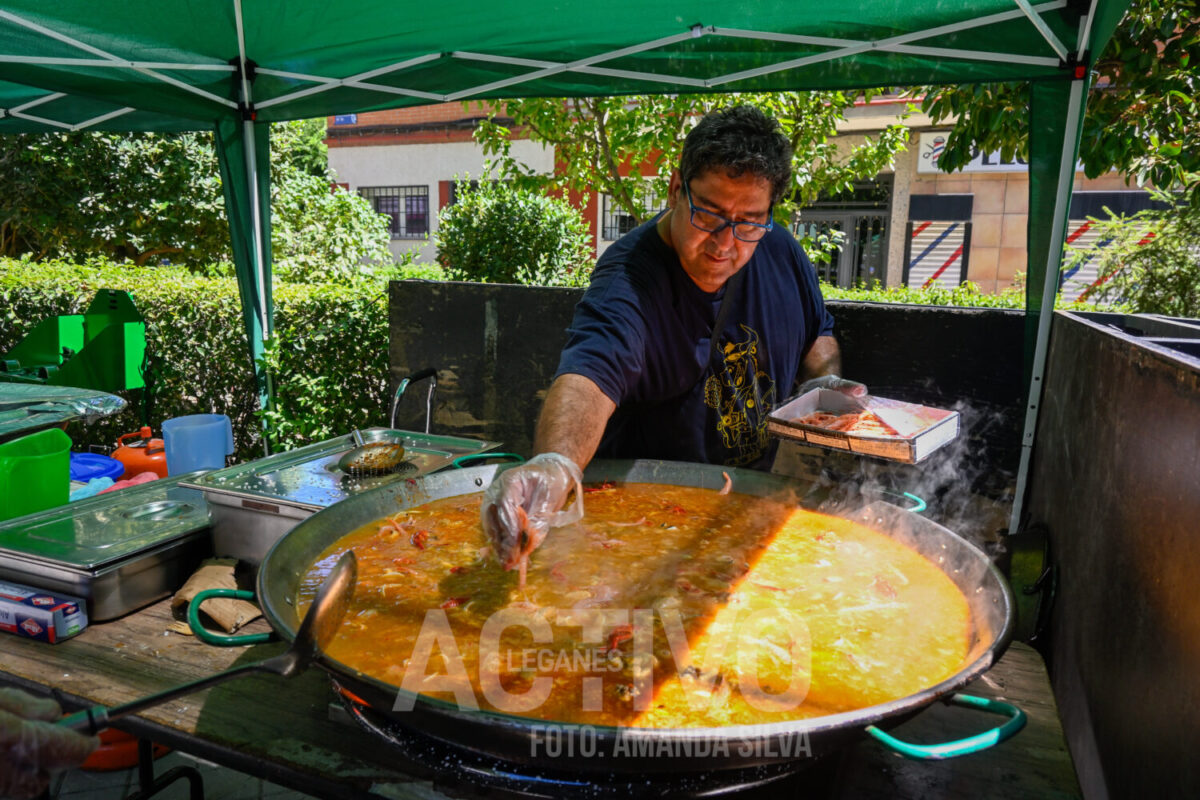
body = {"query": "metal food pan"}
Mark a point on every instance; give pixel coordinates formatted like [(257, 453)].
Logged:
[(256, 503), (245, 527), (118, 588), (119, 551)]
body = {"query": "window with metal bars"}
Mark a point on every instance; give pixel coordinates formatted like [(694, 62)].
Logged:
[(407, 206), (616, 221)]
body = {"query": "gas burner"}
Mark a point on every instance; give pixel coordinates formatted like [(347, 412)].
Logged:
[(461, 772)]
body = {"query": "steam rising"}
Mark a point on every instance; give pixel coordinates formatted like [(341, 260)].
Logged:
[(964, 487)]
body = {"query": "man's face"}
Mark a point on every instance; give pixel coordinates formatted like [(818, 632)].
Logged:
[(710, 259)]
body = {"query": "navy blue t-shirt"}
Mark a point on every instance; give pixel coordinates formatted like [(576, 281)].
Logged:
[(642, 333)]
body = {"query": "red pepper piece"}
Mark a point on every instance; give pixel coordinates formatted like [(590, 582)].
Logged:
[(621, 633)]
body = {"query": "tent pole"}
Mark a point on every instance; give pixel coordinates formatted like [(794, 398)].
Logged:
[(264, 316), (1066, 177), (251, 162)]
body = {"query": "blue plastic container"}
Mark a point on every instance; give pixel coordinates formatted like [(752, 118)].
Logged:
[(85, 466), (197, 441)]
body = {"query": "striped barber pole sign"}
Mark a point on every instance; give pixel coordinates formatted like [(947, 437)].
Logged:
[(937, 254), (1081, 276)]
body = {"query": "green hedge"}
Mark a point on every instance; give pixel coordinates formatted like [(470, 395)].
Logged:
[(331, 360), (968, 295)]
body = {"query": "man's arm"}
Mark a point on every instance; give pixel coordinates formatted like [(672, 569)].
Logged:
[(573, 419), (824, 358)]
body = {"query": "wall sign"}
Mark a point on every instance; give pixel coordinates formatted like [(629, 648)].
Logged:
[(931, 147)]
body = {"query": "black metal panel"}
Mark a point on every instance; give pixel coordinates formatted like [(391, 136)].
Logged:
[(963, 358), (941, 207), (496, 348), (1116, 480)]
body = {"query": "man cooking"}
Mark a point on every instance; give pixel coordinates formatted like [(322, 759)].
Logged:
[(696, 324)]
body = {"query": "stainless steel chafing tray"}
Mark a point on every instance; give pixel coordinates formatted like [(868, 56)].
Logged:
[(119, 551), (254, 504)]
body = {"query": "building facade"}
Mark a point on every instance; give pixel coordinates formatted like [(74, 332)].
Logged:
[(913, 225)]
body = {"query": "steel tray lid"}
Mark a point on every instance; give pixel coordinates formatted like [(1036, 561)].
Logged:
[(308, 477), (108, 527)]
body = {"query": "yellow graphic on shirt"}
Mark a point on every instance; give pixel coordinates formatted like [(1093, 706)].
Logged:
[(742, 395)]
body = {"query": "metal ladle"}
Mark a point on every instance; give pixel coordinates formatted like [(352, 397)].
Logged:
[(317, 630)]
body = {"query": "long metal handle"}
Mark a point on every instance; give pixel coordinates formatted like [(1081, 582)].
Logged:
[(419, 375), (97, 718)]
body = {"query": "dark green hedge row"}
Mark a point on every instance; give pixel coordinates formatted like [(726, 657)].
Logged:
[(330, 359)]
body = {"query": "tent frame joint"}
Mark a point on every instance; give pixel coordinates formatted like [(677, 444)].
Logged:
[(251, 69)]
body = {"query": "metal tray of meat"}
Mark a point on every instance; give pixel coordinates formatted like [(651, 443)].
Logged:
[(254, 504), (119, 551)]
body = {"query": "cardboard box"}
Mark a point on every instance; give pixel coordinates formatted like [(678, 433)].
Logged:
[(46, 616), (920, 429)]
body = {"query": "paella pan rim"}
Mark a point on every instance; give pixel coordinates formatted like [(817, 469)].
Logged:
[(282, 569)]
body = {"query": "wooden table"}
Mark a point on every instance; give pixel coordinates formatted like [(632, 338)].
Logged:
[(281, 730)]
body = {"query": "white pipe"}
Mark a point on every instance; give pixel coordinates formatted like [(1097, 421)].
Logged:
[(62, 37), (42, 120), (353, 80), (111, 63), (1085, 33), (1043, 28), (863, 46), (251, 158), (50, 98), (1058, 221), (79, 126)]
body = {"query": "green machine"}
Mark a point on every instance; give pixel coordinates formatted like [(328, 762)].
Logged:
[(100, 349)]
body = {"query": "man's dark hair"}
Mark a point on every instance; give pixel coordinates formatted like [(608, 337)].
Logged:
[(739, 140)]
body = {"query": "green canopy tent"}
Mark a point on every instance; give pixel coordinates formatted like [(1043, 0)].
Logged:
[(231, 66)]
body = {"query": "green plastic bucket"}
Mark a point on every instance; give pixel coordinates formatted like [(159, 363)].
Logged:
[(34, 473)]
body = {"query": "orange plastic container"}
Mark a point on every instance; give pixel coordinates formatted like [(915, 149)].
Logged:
[(141, 454), (118, 750)]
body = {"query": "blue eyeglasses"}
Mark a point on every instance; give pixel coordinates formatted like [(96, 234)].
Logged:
[(712, 222)]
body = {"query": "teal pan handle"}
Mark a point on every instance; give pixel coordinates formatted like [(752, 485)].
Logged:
[(918, 505), (221, 639), (463, 461), (962, 747)]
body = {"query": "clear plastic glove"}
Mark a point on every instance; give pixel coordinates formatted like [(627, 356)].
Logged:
[(31, 745), (523, 503), (836, 383)]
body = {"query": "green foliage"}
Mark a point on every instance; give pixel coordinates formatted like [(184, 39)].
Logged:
[(1152, 261), (598, 139), (329, 361), (496, 232), (1142, 116), (967, 295), (301, 144), (198, 356), (140, 197), (325, 235), (150, 198)]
